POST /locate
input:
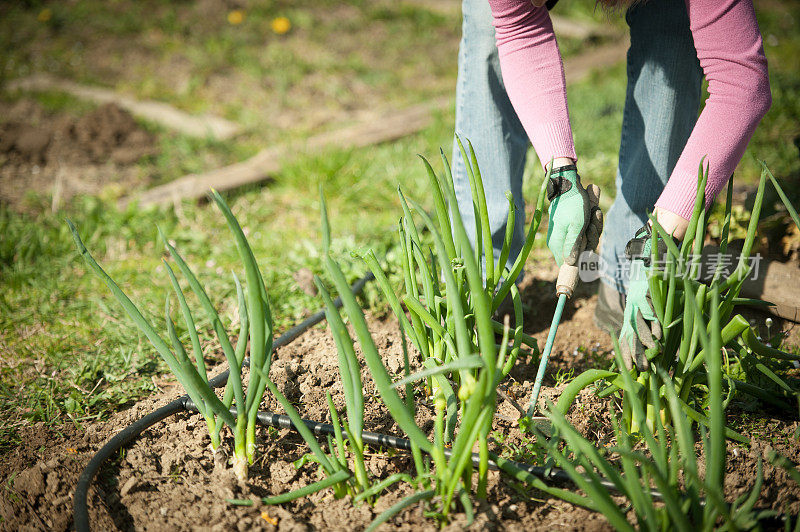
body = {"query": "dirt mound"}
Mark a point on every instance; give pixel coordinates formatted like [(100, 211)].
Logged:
[(61, 155), (28, 142), (110, 132)]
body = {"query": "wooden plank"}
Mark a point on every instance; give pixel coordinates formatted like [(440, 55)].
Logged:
[(776, 282), (158, 112), (578, 29), (771, 281), (579, 67)]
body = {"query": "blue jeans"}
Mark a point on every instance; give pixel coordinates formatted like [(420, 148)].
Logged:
[(485, 117), (661, 106)]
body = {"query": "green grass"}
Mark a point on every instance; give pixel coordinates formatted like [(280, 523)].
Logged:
[(337, 57), (178, 155), (58, 102)]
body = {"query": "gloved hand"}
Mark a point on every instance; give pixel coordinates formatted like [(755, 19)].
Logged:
[(640, 326), (575, 217)]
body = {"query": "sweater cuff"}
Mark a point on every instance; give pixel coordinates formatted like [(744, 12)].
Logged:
[(679, 196), (552, 140)]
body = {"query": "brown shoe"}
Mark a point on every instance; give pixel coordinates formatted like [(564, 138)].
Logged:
[(610, 308), (506, 308)]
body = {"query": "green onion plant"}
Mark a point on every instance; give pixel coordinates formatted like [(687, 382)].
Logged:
[(255, 330), (343, 465), (675, 289), (437, 299), (450, 298), (668, 469)]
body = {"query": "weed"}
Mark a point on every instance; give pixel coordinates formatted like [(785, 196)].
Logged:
[(563, 376)]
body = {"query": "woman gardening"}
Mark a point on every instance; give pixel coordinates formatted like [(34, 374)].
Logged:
[(674, 44)]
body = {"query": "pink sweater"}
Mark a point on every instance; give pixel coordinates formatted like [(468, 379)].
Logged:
[(728, 44)]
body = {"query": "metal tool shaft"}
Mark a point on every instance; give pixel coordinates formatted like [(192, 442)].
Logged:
[(548, 346)]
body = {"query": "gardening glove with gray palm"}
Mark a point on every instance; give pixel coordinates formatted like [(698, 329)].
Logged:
[(575, 217), (640, 327)]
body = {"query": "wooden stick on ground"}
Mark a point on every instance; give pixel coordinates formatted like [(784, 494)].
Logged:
[(158, 112), (373, 129)]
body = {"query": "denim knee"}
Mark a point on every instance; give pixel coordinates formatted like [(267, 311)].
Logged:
[(661, 107)]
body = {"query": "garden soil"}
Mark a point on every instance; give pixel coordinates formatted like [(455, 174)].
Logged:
[(59, 155), (170, 480)]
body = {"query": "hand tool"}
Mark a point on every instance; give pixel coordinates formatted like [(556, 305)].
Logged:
[(565, 286)]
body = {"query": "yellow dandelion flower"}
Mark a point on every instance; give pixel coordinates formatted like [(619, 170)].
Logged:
[(281, 25), (236, 17), (44, 15)]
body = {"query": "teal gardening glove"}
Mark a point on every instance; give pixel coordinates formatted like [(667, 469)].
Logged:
[(641, 329), (575, 217)]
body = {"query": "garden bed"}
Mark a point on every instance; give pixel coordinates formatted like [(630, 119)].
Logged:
[(169, 479)]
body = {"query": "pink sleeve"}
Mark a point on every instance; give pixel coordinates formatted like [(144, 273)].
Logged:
[(728, 44), (534, 75)]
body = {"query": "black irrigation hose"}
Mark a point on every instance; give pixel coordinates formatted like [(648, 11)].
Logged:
[(387, 440), (134, 430)]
